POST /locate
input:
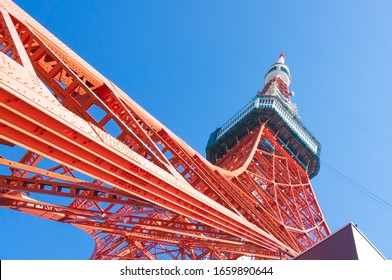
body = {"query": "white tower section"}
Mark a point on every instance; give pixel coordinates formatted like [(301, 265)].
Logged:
[(279, 69), (279, 74)]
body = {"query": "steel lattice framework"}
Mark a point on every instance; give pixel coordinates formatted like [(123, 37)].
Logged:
[(124, 178)]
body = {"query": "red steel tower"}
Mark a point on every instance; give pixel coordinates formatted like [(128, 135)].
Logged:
[(74, 148)]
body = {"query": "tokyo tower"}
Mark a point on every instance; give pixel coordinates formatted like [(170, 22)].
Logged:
[(76, 149)]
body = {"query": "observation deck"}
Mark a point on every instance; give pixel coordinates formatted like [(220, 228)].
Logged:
[(274, 110)]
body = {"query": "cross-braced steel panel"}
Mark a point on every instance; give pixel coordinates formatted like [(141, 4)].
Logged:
[(97, 160)]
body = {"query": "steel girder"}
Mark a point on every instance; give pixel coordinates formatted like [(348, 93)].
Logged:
[(134, 186)]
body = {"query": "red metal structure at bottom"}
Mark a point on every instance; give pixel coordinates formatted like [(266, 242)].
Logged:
[(128, 181)]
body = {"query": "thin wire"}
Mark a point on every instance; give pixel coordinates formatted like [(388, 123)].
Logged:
[(383, 204), (373, 133), (365, 192)]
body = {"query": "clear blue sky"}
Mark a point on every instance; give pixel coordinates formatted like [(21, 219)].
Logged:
[(193, 64)]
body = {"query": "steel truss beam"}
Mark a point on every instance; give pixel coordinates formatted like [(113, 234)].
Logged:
[(141, 193)]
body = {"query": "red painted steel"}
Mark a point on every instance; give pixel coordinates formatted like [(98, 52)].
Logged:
[(142, 193)]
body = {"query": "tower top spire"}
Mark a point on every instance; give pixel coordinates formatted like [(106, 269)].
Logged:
[(281, 58), (279, 70)]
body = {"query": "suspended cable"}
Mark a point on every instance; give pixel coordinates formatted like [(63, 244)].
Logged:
[(383, 204), (371, 132)]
